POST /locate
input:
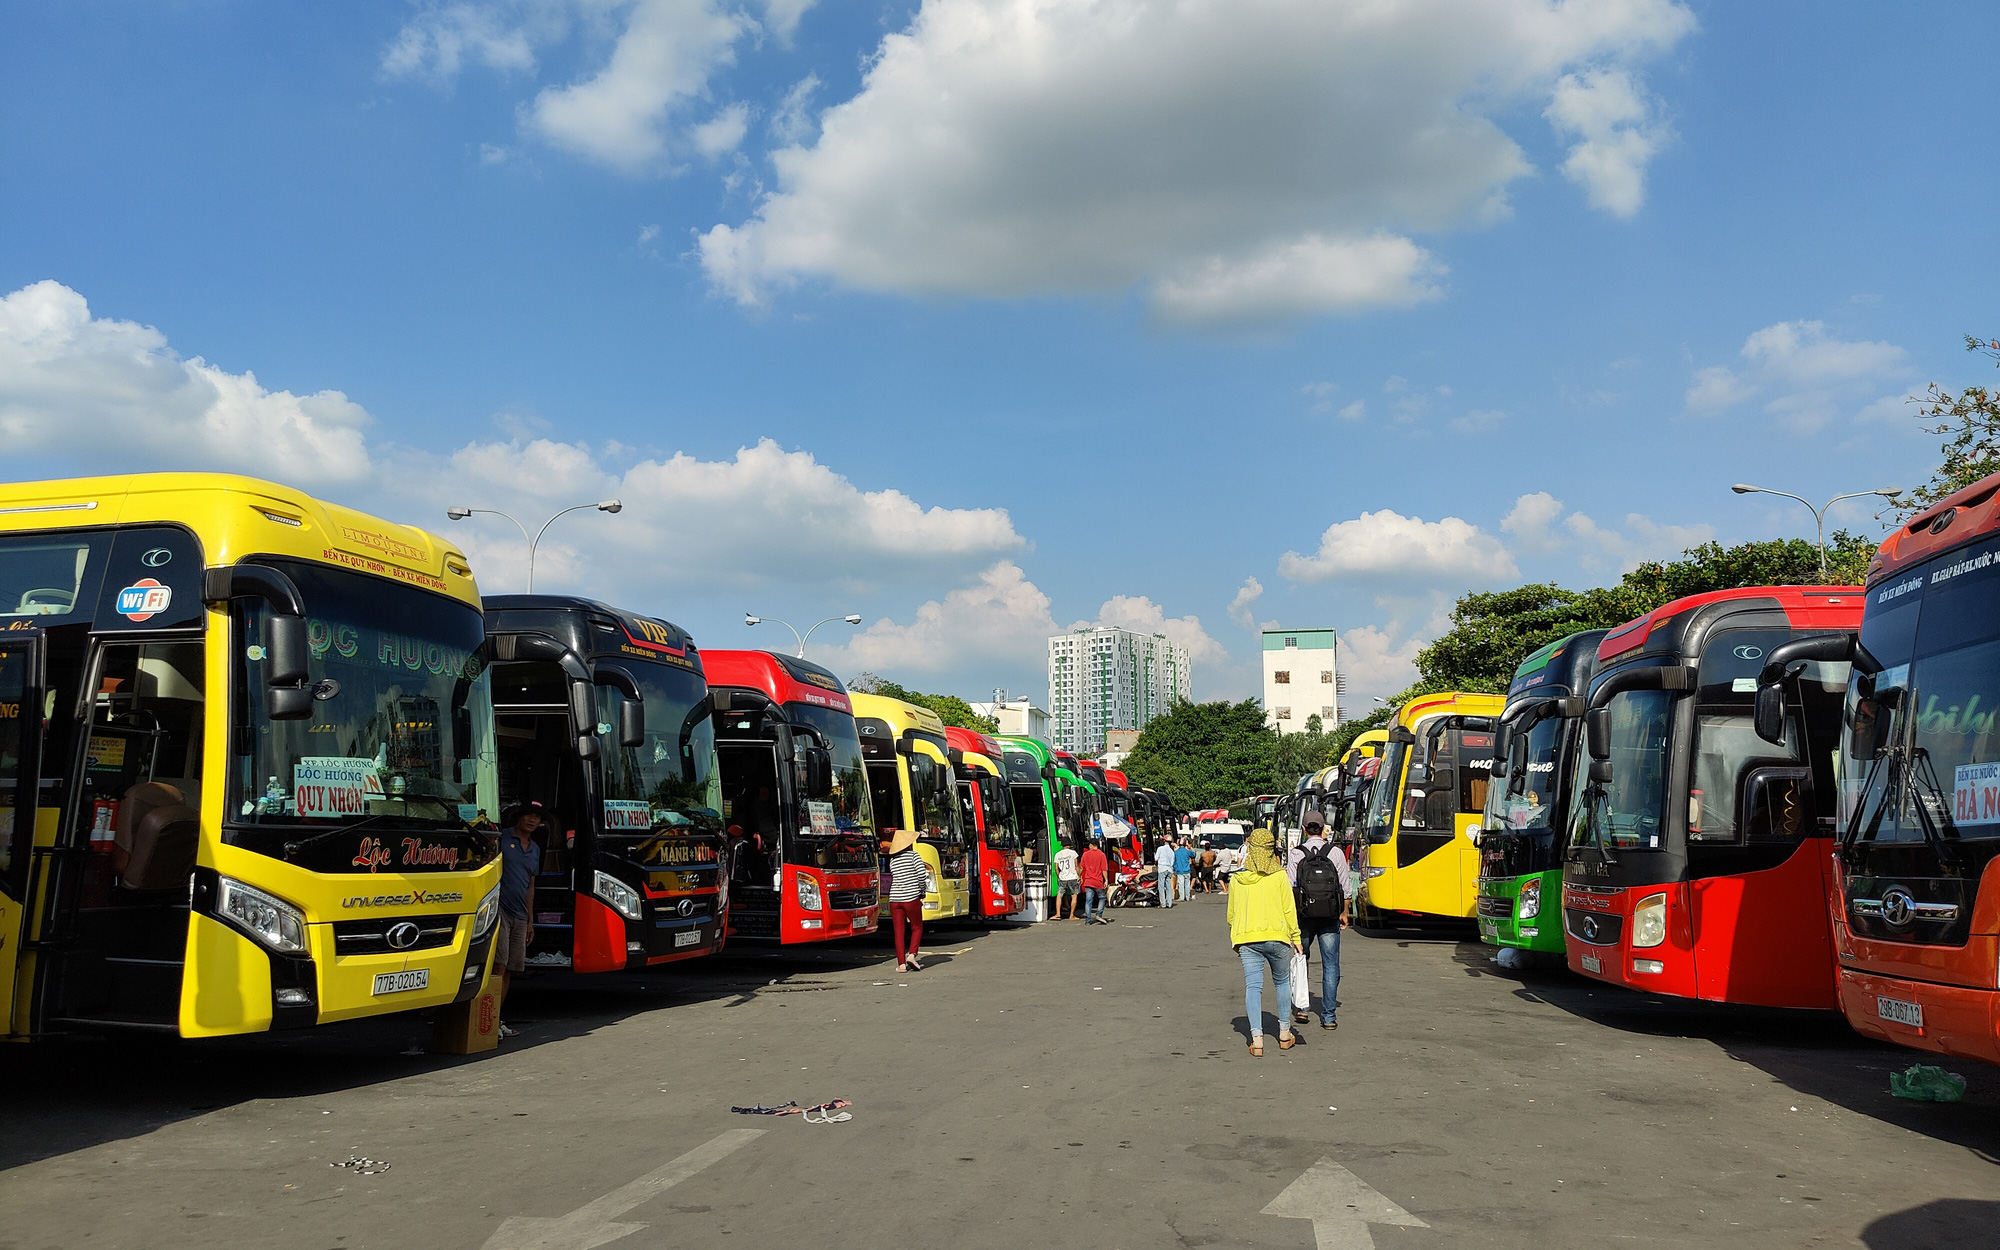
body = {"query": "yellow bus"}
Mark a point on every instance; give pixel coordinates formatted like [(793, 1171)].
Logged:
[(910, 779), (1429, 792), (244, 739)]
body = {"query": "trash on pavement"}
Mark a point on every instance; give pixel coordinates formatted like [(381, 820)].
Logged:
[(1926, 1082)]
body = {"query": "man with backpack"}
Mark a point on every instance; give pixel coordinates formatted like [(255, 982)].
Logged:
[(1322, 885)]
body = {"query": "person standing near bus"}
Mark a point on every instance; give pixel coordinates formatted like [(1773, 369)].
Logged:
[(1068, 885), (1091, 869), (520, 863), (1322, 887), (909, 881), (1183, 868), (1163, 862), (1264, 929)]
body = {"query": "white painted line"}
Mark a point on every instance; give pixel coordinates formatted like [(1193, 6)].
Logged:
[(594, 1223)]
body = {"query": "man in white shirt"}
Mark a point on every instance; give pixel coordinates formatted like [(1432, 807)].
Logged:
[(1068, 882), (1321, 917), (1163, 860)]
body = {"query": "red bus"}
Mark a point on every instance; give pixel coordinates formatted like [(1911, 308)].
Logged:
[(1914, 891), (986, 802), (1698, 851), (794, 798)]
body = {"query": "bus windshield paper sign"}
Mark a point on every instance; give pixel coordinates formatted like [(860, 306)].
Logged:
[(1975, 794), (822, 818), (628, 816), (334, 785)]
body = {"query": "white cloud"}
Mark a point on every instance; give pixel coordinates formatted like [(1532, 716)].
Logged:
[(112, 395), (1142, 615), (792, 121), (442, 38), (1376, 662), (723, 132), (1246, 599), (1806, 377), (1617, 133), (1386, 545), (661, 62), (1355, 411), (1002, 620), (1238, 160), (1478, 421), (1539, 525)]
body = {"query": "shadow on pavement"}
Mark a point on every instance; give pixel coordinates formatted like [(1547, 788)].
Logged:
[(1812, 1052), (1948, 1224), (70, 1093)]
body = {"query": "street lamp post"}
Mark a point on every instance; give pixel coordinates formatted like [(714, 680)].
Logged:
[(852, 618), (1819, 513), (607, 505)]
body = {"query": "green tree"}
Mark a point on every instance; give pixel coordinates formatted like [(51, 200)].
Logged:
[(1972, 418), (950, 709), (1206, 754)]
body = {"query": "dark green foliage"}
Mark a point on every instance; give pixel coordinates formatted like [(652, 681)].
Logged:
[(950, 709), (1206, 754), (1972, 418)]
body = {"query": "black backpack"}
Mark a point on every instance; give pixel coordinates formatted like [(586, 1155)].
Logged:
[(1319, 892)]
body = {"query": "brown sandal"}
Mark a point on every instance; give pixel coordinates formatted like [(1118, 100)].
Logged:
[(1288, 1041), (1256, 1050)]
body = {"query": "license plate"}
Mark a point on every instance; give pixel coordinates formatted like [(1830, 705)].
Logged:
[(1592, 964), (1901, 1012), (402, 982), (689, 938), (864, 922), (1488, 929)]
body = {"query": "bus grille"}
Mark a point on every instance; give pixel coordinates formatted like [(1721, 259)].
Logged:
[(852, 900), (371, 936), (1499, 908), (671, 908), (1595, 927)]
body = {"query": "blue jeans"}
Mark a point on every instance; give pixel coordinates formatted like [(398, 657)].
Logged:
[(1255, 956), (1166, 884), (1328, 941), (1093, 903)]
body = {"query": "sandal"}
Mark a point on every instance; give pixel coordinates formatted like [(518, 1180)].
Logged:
[(1331, 1024), (1257, 1050), (916, 965), (1288, 1041)]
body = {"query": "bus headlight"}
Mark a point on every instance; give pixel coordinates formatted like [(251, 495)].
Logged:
[(1531, 901), (272, 921), (808, 891), (489, 911), (622, 898), (993, 879), (1649, 921)]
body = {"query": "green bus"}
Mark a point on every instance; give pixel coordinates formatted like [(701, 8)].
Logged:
[(1524, 832), (1052, 803)]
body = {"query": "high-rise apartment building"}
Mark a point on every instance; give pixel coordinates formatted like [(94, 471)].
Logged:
[(1101, 679), (1301, 679)]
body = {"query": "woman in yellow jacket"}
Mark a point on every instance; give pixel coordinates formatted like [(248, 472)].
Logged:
[(1264, 929)]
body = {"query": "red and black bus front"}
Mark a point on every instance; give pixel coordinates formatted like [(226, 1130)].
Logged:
[(1916, 891), (602, 718), (795, 800), (986, 803), (1697, 849)]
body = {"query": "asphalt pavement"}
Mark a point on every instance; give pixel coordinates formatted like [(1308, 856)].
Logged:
[(1048, 1085)]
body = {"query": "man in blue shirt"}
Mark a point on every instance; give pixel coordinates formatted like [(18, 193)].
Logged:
[(520, 863), (1183, 869)]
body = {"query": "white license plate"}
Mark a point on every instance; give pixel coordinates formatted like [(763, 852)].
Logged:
[(1901, 1012), (1591, 964), (1488, 929), (689, 938), (864, 922), (402, 982)]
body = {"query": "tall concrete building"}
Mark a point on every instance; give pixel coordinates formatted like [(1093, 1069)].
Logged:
[(1301, 679), (1101, 679)]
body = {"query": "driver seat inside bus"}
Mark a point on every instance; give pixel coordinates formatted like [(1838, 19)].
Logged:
[(154, 846)]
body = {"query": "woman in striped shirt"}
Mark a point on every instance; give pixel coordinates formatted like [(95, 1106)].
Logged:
[(909, 879)]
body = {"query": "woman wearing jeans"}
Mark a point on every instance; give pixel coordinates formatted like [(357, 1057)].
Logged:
[(909, 880), (1264, 929)]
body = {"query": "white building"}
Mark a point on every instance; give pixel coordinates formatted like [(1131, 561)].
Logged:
[(1301, 679), (1018, 718), (1101, 679)]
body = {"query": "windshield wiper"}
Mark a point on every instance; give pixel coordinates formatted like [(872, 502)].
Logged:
[(1940, 832)]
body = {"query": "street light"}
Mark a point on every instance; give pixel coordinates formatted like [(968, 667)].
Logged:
[(606, 505), (1819, 513), (852, 618)]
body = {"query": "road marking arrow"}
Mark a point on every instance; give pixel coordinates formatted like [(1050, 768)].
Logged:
[(1341, 1206), (595, 1223)]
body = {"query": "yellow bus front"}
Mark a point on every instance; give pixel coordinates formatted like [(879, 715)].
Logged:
[(910, 779), (266, 733), (1421, 858)]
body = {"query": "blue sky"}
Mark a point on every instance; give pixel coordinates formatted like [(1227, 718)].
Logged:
[(978, 318)]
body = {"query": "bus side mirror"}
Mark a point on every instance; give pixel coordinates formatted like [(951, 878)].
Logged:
[(1864, 739), (583, 714), (1767, 715), (816, 763), (1597, 735), (1600, 772), (631, 723), (1503, 745), (286, 694)]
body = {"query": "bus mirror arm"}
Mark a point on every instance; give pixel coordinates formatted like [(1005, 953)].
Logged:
[(1825, 648), (288, 693)]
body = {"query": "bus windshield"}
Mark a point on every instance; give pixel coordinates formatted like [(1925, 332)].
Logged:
[(1382, 802), (670, 783), (1629, 813), (1524, 804), (402, 717), (852, 844)]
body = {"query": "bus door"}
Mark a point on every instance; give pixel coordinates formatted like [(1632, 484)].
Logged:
[(20, 759), (752, 807), (1446, 795), (537, 732)]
